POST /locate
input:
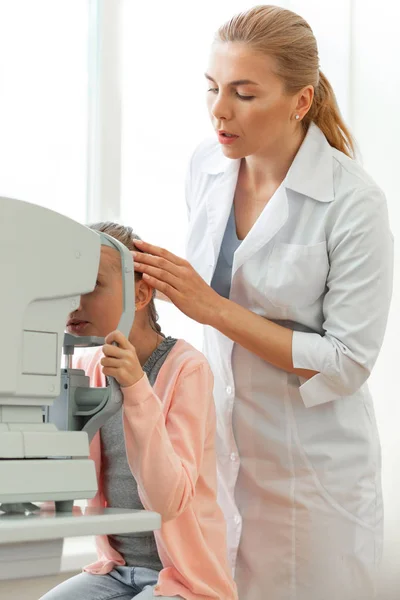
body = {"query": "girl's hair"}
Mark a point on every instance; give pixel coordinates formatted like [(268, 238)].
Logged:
[(126, 236), (288, 38)]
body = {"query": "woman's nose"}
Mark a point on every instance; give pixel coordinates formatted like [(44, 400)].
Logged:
[(221, 109)]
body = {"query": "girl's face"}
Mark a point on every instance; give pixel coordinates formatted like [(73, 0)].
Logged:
[(99, 311), (247, 101)]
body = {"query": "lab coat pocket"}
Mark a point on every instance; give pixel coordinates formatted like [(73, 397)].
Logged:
[(296, 274)]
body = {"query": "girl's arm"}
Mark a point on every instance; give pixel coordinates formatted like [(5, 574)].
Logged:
[(164, 454)]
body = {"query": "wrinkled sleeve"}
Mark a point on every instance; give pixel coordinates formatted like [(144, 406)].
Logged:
[(165, 455), (356, 304)]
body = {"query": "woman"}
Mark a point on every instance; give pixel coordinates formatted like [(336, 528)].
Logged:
[(290, 269)]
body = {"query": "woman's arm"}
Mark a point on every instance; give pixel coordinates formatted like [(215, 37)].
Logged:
[(355, 307), (272, 342)]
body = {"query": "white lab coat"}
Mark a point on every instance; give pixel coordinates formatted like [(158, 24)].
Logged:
[(299, 461)]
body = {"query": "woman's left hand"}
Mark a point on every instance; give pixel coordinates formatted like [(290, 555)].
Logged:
[(121, 362), (176, 278)]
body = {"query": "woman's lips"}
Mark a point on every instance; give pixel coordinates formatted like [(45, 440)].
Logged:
[(226, 138)]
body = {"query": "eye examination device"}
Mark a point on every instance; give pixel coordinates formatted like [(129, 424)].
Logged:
[(48, 412)]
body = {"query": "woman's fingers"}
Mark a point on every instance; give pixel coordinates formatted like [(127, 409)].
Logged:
[(177, 279), (161, 286), (158, 252), (158, 273), (141, 259)]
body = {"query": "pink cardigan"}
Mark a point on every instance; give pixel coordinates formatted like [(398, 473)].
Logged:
[(170, 444)]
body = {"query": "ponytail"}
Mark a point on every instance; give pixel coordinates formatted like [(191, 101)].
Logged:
[(325, 113)]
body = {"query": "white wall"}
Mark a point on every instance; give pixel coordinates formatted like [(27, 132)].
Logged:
[(43, 106), (375, 114)]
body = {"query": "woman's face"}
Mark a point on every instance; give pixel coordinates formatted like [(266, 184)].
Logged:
[(247, 99)]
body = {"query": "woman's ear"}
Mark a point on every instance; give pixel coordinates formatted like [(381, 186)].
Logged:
[(304, 100), (143, 294)]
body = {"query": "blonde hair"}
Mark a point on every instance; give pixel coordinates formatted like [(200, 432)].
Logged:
[(126, 236), (288, 38)]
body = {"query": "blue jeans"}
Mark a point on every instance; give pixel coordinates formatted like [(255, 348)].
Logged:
[(123, 583)]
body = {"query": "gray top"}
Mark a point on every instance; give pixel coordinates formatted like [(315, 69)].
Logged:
[(120, 488), (221, 281)]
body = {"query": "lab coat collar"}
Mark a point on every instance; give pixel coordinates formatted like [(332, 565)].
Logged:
[(310, 174)]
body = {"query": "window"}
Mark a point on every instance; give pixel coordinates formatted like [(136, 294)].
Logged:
[(44, 115)]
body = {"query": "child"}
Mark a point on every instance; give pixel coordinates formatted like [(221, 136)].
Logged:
[(157, 452)]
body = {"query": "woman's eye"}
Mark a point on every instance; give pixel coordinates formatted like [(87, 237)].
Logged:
[(245, 98)]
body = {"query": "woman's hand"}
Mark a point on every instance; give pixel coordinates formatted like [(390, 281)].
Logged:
[(175, 278), (121, 362)]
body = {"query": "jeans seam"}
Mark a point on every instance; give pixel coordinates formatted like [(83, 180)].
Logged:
[(136, 588)]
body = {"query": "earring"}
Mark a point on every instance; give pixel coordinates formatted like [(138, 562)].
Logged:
[(297, 117)]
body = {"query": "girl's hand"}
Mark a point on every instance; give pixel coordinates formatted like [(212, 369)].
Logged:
[(121, 362), (176, 278)]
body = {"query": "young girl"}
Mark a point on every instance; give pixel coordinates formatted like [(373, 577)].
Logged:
[(157, 452)]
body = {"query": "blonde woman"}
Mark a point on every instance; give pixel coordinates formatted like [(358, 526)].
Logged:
[(290, 269)]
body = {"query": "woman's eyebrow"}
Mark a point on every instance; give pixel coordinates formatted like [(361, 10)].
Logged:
[(236, 82)]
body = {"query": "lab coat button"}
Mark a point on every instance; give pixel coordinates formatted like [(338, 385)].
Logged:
[(229, 390), (237, 519), (233, 456)]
